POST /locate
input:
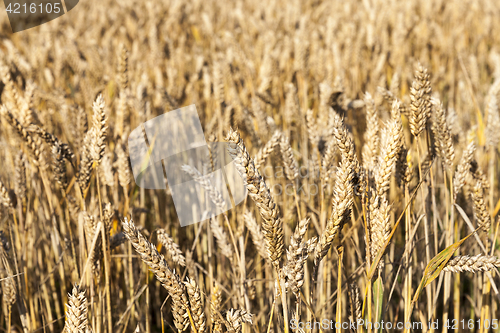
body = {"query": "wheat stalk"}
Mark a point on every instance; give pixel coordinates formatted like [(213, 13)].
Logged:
[(371, 137)]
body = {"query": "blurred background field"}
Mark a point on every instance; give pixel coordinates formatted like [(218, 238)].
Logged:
[(387, 108)]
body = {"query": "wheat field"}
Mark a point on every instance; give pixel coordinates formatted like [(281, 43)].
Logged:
[(367, 133)]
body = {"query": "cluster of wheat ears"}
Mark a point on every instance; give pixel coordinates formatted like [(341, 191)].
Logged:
[(366, 131)]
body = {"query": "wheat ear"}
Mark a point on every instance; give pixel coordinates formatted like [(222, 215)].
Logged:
[(256, 233), (260, 194), (420, 93), (172, 248), (33, 145), (291, 166), (479, 206), (341, 203), (442, 133), (477, 263), (235, 318), (158, 265), (215, 309), (196, 304), (297, 255), (100, 128), (268, 148), (388, 155), (76, 313), (463, 169)]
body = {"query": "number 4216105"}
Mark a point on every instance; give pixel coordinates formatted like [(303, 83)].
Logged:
[(471, 324), (33, 8)]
